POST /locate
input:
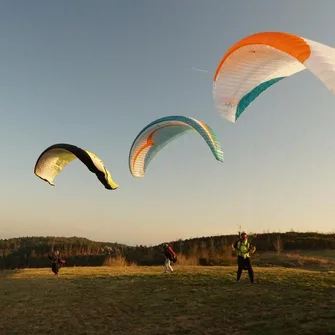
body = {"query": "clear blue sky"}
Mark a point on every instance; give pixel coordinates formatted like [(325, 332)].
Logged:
[(94, 73)]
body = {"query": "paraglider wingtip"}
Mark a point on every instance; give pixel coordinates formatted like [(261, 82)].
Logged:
[(139, 176), (46, 180), (113, 188)]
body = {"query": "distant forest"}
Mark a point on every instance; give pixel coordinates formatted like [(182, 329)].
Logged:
[(25, 252)]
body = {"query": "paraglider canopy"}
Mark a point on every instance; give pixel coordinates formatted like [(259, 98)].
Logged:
[(53, 159), (258, 61), (157, 134)]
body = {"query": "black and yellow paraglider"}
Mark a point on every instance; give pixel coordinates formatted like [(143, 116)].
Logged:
[(53, 159)]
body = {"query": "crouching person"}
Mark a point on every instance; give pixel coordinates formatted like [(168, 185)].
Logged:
[(56, 262)]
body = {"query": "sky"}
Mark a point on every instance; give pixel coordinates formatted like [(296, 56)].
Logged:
[(94, 73)]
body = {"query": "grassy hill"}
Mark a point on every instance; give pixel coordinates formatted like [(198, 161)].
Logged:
[(286, 249), (143, 300)]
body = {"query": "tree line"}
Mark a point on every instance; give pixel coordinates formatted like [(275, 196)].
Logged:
[(25, 252)]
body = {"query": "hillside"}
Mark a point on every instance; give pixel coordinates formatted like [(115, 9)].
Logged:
[(31, 252)]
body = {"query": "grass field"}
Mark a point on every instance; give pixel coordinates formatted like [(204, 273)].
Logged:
[(323, 260), (144, 300)]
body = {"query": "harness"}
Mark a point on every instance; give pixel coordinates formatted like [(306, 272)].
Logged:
[(170, 254), (243, 249)]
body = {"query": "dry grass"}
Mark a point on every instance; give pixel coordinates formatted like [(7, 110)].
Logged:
[(320, 260), (323, 260), (144, 300), (117, 261), (183, 260)]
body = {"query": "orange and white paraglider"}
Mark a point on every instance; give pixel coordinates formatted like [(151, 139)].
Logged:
[(258, 61)]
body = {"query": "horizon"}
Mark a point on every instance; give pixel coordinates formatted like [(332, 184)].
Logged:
[(176, 240), (95, 74)]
